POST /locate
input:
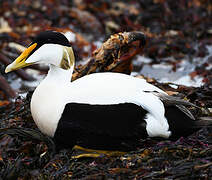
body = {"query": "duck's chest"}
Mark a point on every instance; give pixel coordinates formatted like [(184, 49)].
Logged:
[(47, 106)]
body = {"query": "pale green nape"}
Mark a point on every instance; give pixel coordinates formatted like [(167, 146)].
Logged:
[(68, 58)]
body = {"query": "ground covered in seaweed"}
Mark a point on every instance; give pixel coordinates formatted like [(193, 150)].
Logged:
[(175, 30)]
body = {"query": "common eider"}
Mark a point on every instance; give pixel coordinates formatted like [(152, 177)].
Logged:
[(104, 111)]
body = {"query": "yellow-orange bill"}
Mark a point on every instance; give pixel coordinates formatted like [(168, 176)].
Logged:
[(20, 61)]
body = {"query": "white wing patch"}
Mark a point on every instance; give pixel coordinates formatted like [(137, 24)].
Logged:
[(154, 127), (157, 125)]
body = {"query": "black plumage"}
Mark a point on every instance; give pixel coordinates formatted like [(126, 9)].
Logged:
[(109, 127)]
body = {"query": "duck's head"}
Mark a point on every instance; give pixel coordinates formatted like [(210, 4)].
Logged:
[(48, 47)]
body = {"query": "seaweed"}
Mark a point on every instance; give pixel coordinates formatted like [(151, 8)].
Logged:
[(174, 30)]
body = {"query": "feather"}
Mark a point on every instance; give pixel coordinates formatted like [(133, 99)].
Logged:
[(171, 100)]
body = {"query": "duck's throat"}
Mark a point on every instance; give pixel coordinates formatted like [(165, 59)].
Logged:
[(57, 74)]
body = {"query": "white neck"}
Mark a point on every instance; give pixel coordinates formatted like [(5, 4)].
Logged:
[(57, 74)]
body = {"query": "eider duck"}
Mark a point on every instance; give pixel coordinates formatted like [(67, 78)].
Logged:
[(105, 111)]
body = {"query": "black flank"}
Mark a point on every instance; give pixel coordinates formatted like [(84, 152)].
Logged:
[(108, 127)]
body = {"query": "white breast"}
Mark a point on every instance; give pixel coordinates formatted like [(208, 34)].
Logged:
[(47, 105)]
